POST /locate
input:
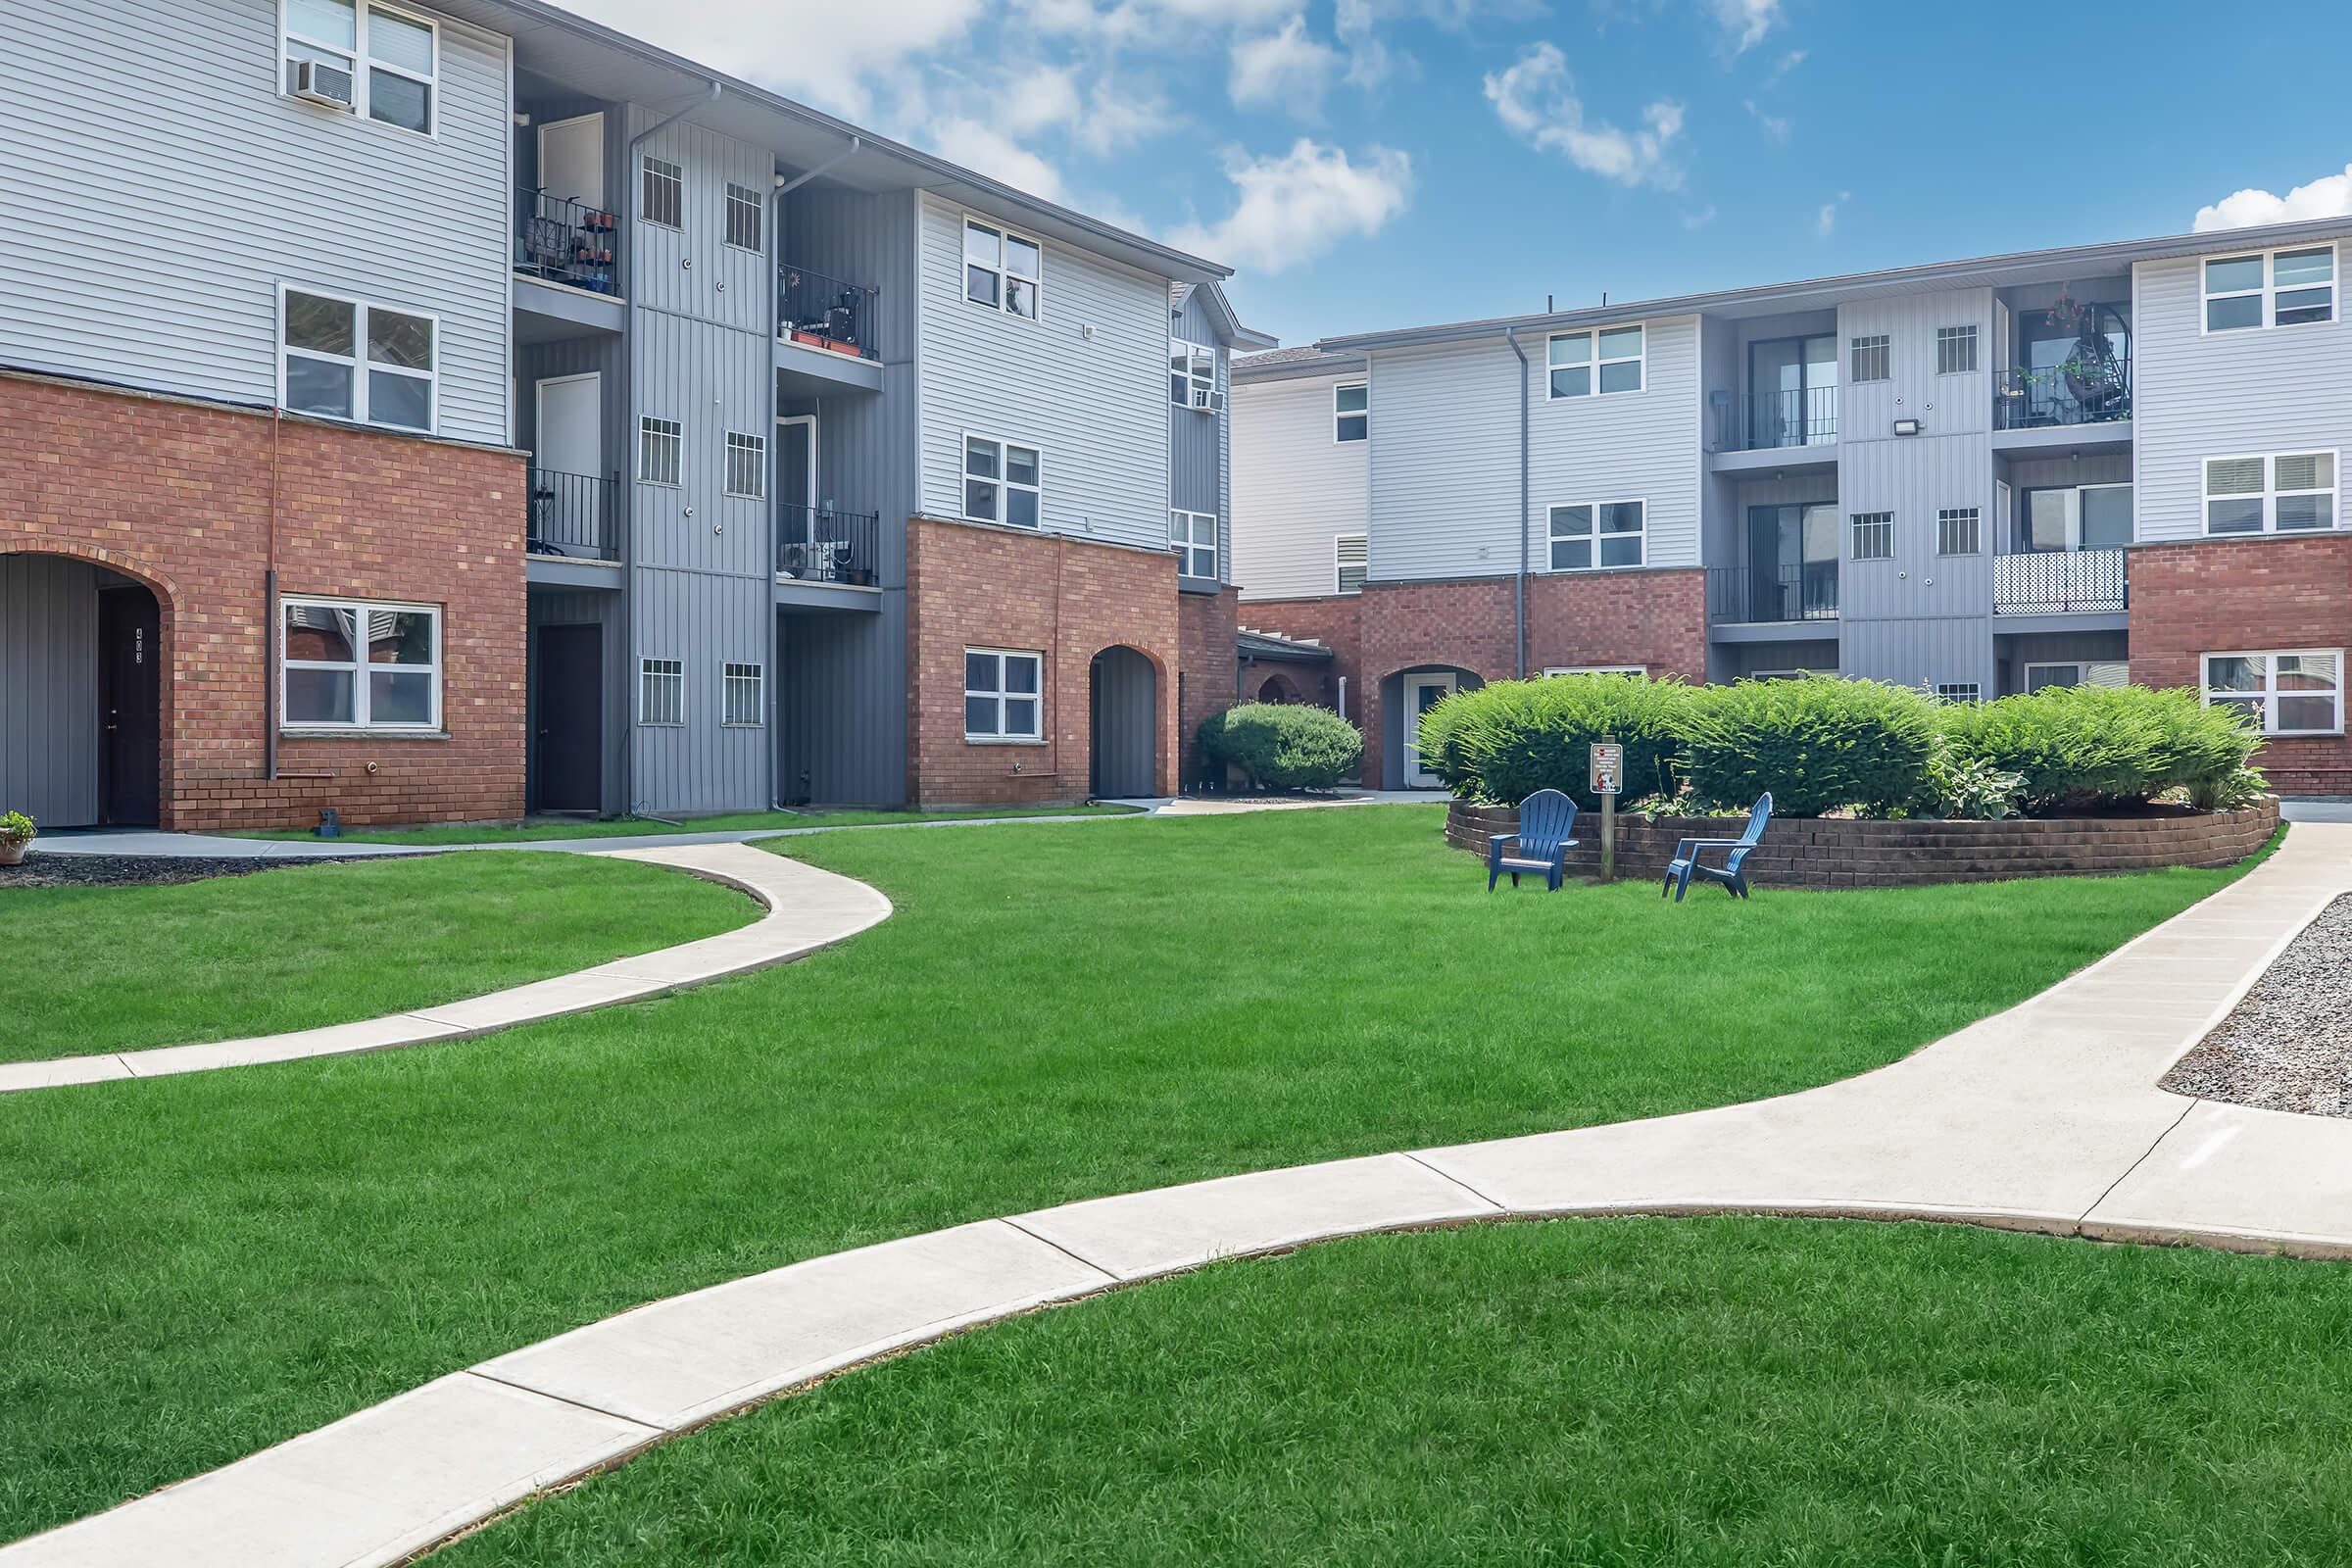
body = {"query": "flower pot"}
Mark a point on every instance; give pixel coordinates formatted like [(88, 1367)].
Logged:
[(12, 853)]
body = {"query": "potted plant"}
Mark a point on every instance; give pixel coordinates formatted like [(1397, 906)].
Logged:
[(16, 837)]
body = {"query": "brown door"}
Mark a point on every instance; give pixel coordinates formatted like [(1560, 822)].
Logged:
[(571, 718), (130, 694)]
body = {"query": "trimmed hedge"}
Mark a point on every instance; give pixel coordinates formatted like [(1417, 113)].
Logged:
[(1511, 738), (1283, 746), (2102, 747), (1818, 746)]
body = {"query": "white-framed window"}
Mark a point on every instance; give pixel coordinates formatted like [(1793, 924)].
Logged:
[(1872, 358), (740, 700), (1959, 691), (747, 465), (1959, 531), (660, 450), (2290, 692), (660, 691), (1004, 694), (344, 358), (2270, 288), (1192, 535), (1352, 412), (1595, 363), (352, 663), (1874, 535), (1955, 350), (1585, 536), (2040, 674), (1002, 270), (1003, 481), (1351, 561), (744, 210), (1193, 376), (661, 191), (384, 61), (1598, 669), (2273, 492)]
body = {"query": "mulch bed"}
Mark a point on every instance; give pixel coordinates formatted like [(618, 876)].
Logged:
[(2288, 1045), (41, 870)]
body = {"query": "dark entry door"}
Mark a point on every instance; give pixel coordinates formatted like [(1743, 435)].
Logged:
[(571, 718), (130, 700)]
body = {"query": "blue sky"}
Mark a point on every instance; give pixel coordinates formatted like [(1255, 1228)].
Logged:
[(1381, 162)]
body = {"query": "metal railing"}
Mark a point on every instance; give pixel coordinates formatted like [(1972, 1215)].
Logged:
[(1773, 593), (826, 313), (2081, 391), (565, 241), (820, 544), (2058, 582), (572, 515), (1804, 416)]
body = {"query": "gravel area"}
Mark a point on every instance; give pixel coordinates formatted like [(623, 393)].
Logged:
[(139, 871), (2288, 1045)]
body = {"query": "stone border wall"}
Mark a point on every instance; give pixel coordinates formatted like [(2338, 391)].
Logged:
[(1845, 852)]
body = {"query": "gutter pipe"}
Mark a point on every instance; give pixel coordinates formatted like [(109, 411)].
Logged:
[(1510, 335)]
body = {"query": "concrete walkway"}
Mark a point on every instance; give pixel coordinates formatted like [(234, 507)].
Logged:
[(806, 909), (2044, 1117)]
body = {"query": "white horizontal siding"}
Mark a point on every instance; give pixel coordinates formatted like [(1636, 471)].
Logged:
[(1633, 446), (1295, 488), (1444, 461)]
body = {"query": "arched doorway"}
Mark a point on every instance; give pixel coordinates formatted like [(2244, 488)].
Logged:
[(80, 693), (1279, 688), (1404, 697), (1123, 708)]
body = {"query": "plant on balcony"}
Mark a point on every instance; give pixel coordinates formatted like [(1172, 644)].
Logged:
[(1508, 739), (2106, 748)]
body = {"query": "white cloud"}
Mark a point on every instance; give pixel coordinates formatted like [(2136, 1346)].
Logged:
[(1825, 221), (1368, 63), (1288, 68), (982, 147), (1295, 207), (768, 42), (1774, 126), (1745, 23), (2329, 196), (1535, 99), (1787, 63), (1698, 220), (1121, 112)]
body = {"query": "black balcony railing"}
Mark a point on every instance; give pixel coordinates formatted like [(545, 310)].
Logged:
[(2090, 389), (826, 313), (1773, 593), (2058, 582), (1805, 416), (573, 514), (565, 241), (819, 544)]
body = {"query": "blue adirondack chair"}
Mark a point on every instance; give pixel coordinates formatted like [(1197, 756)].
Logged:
[(1686, 863), (1545, 818)]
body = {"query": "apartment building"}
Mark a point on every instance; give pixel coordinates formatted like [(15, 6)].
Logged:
[(2107, 462), (443, 411)]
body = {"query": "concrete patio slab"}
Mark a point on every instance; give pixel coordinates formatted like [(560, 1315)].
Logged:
[(2236, 1175)]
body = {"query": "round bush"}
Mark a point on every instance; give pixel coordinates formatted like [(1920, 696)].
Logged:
[(1819, 745), (2103, 748), (1283, 746), (1511, 738)]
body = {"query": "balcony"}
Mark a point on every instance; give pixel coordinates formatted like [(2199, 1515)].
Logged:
[(825, 546), (1773, 595), (559, 240), (825, 313), (2060, 582), (572, 516), (2095, 389), (1772, 422)]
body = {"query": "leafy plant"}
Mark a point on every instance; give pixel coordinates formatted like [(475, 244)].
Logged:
[(2103, 748), (1971, 788), (1508, 739), (1284, 745), (2234, 790), (14, 828), (1819, 745)]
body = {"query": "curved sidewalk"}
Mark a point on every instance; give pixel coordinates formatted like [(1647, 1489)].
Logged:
[(806, 909), (2043, 1118)]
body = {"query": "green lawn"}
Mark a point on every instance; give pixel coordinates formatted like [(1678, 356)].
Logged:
[(551, 827), (193, 1269), (1621, 1393), (96, 969)]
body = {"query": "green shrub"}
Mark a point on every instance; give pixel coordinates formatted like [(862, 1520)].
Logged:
[(14, 828), (2104, 748), (1511, 738), (1971, 789), (1819, 745), (1283, 746)]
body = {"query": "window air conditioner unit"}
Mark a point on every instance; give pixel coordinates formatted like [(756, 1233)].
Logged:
[(317, 82)]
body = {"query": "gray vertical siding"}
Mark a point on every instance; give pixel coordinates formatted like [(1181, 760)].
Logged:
[(587, 608), (1293, 488), (1196, 439), (49, 720)]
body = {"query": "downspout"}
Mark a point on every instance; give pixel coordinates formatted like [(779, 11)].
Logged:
[(271, 630), (1510, 335)]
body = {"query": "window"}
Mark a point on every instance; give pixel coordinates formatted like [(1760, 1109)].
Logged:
[(1959, 691), (1619, 538), (1002, 270), (660, 450), (660, 691), (2078, 672), (1193, 376), (747, 465), (2275, 289), (329, 644), (1959, 531), (1874, 535), (1192, 535), (1609, 361), (740, 700), (1955, 350), (663, 194), (347, 360), (2288, 492), (2298, 693), (383, 59), (1351, 412), (1352, 558), (1001, 695), (1874, 359), (1599, 669), (744, 209), (2089, 516), (1001, 483)]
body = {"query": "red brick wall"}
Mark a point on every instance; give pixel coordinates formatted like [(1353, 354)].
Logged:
[(1207, 672), (981, 587), (2218, 594), (1655, 619), (179, 496), (1332, 619)]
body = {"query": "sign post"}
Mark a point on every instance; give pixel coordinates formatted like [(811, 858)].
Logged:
[(1607, 769)]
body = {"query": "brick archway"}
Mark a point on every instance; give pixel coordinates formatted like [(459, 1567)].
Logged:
[(106, 679)]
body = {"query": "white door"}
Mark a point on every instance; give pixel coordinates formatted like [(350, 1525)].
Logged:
[(567, 489), (572, 159), (1421, 694)]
